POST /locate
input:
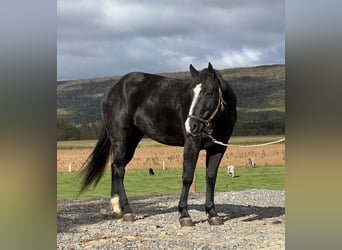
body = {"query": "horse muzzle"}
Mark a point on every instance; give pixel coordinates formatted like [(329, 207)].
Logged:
[(193, 127)]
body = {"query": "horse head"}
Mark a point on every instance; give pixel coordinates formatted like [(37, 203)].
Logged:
[(207, 101)]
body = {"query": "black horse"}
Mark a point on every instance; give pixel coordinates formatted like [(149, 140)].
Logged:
[(180, 112)]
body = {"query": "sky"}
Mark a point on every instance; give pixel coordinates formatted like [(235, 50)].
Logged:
[(111, 38)]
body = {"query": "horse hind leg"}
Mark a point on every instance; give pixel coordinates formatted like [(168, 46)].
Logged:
[(123, 150), (119, 201)]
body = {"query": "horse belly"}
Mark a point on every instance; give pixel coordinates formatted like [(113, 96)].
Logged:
[(162, 129)]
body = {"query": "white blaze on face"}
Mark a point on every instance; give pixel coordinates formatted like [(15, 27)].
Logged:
[(197, 91)]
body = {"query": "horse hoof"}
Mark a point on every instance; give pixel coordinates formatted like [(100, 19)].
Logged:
[(117, 215), (129, 217), (186, 222), (215, 221)]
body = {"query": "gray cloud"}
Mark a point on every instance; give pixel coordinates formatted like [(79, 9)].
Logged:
[(106, 38)]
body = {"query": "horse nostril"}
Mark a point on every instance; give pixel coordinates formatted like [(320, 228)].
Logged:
[(194, 128)]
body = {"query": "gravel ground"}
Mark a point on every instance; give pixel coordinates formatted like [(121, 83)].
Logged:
[(253, 219)]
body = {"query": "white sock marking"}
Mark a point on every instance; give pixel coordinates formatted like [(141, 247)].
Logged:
[(115, 204)]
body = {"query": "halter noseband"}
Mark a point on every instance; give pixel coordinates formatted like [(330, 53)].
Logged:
[(208, 122)]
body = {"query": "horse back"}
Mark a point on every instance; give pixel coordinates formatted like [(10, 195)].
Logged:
[(154, 104)]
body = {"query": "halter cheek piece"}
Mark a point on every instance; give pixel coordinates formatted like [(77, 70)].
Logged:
[(208, 122)]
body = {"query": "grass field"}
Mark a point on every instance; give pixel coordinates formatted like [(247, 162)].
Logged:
[(139, 183)]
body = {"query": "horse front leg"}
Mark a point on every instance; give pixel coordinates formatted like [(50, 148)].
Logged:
[(191, 152), (213, 159)]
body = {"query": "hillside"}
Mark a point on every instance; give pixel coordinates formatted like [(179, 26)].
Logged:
[(260, 92)]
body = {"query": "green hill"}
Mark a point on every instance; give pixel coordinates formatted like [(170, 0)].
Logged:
[(260, 92)]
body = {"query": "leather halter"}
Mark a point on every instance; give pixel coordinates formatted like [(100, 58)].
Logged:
[(208, 122)]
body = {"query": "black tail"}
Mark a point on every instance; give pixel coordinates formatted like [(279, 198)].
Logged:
[(95, 165)]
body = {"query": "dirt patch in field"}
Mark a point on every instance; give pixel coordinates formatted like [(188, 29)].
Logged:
[(172, 157)]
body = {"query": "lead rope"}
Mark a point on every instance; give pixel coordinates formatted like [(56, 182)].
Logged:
[(243, 146)]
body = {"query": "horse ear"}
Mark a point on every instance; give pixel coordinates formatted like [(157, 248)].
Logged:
[(211, 70), (193, 71)]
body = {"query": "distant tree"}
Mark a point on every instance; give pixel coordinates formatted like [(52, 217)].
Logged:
[(66, 131)]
